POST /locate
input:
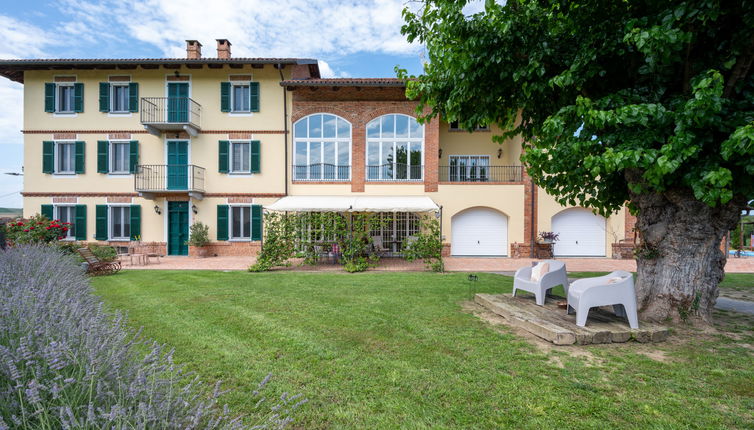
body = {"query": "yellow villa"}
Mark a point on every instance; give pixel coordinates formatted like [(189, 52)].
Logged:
[(131, 149)]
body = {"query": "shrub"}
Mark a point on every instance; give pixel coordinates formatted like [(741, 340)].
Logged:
[(37, 229), (198, 234), (66, 363), (426, 245), (104, 252)]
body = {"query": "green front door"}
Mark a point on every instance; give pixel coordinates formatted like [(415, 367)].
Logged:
[(178, 165), (178, 104), (177, 228)]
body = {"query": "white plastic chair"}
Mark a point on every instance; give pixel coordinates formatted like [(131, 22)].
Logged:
[(555, 276), (587, 293)]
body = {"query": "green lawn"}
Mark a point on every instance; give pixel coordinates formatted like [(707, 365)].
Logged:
[(396, 350)]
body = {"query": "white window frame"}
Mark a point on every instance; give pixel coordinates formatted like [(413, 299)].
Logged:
[(111, 157), (58, 98), (230, 157), (110, 219), (468, 178), (70, 234), (394, 140), (308, 140), (56, 157), (230, 224), (233, 85), (113, 109), (395, 227)]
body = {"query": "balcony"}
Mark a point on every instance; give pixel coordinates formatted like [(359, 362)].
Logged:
[(395, 172), (153, 179), (321, 172), (481, 174), (160, 114)]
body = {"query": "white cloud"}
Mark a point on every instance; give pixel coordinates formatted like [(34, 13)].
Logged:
[(21, 39), (327, 72)]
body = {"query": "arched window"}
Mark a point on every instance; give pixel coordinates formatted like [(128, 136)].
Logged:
[(395, 148), (322, 148)]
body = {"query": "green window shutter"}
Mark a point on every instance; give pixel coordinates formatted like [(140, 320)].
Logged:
[(101, 218), (80, 156), (254, 94), (48, 156), (103, 153), (104, 97), (225, 96), (47, 211), (133, 97), (256, 222), (135, 221), (49, 97), (223, 154), (80, 225), (222, 222), (255, 156), (133, 156), (78, 97)]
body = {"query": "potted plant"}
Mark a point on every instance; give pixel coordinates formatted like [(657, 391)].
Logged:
[(548, 237), (199, 238)]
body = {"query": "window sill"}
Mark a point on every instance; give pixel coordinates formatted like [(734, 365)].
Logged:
[(65, 114), (240, 174), (64, 174), (240, 240), (119, 239), (120, 114), (240, 113), (119, 174)]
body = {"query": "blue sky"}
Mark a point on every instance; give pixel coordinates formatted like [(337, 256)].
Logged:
[(350, 38)]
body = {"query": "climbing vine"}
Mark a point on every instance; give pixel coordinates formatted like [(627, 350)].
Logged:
[(426, 245)]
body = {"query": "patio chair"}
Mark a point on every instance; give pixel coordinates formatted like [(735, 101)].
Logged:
[(615, 288), (95, 266), (151, 250), (378, 245), (555, 275)]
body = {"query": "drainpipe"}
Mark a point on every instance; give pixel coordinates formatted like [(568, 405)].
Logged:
[(531, 221), (285, 128)]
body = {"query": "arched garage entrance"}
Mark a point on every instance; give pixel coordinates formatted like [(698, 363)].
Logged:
[(582, 233), (479, 231)]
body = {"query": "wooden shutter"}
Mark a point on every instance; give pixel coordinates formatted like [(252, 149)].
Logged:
[(133, 97), (104, 97), (255, 156), (256, 222), (135, 221), (47, 210), (103, 156), (222, 222), (78, 97), (101, 218), (224, 147), (80, 156), (225, 96), (80, 224), (48, 156), (133, 155), (254, 94), (50, 97)]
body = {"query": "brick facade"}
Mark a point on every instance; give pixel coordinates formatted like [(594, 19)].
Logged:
[(225, 249), (530, 219)]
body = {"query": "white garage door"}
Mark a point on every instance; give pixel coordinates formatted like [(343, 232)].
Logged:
[(582, 233), (479, 231)]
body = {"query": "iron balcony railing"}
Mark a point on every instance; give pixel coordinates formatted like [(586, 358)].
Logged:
[(169, 178), (321, 172), (162, 111), (481, 173), (395, 172)]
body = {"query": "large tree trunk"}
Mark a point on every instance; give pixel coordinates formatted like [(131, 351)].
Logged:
[(680, 262)]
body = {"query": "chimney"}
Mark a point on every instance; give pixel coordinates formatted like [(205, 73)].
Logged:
[(223, 49), (193, 50)]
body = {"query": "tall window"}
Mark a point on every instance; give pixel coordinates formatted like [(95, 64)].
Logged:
[(241, 97), (119, 157), (65, 98), (395, 144), (67, 214), (65, 157), (466, 168), (322, 148), (395, 227), (240, 222), (240, 153), (119, 98), (120, 222)]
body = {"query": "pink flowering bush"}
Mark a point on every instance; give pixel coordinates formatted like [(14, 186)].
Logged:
[(37, 229)]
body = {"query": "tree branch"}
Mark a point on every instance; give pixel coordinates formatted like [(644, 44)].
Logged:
[(741, 69)]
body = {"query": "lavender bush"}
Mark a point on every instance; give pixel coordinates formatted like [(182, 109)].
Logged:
[(66, 363)]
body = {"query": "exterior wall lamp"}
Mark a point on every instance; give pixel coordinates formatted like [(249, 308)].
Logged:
[(194, 209), (499, 152), (157, 210), (439, 153)]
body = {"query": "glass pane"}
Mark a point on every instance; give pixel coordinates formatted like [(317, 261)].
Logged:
[(315, 126), (315, 158), (373, 160), (117, 222), (344, 153), (236, 221), (246, 221), (299, 171), (241, 98), (299, 130), (328, 158), (344, 129), (417, 131), (329, 126), (373, 128), (388, 126), (246, 157), (401, 126), (126, 222), (401, 159), (387, 160)]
